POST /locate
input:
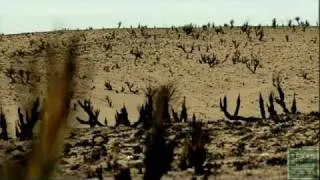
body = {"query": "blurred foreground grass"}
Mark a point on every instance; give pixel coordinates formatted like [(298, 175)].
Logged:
[(40, 162)]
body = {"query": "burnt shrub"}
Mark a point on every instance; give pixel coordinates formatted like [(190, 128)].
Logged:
[(26, 123)]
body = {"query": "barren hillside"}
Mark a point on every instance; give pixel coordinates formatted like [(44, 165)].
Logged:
[(221, 72), (104, 56)]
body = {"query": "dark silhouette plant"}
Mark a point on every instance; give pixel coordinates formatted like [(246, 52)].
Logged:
[(122, 117), (146, 110), (195, 153), (26, 123), (3, 126), (159, 149), (93, 114), (274, 23), (184, 113), (276, 81), (188, 29)]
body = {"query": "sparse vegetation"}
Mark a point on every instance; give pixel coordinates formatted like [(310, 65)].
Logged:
[(20, 76), (174, 145)]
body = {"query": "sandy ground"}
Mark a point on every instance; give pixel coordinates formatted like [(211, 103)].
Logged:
[(103, 58), (202, 85)]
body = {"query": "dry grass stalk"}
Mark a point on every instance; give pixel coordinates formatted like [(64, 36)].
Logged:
[(45, 152), (54, 118)]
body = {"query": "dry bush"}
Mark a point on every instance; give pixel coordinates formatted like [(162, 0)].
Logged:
[(109, 101), (219, 30), (158, 154), (138, 54), (108, 86), (24, 126), (188, 29), (10, 72), (260, 34), (20, 76), (93, 114), (245, 27), (183, 47), (276, 81), (274, 23), (130, 87), (235, 116), (164, 94), (159, 149), (253, 64), (146, 110), (210, 60), (122, 117), (290, 23), (195, 153), (272, 111), (236, 57), (231, 23), (3, 126), (287, 38), (184, 113), (236, 44)]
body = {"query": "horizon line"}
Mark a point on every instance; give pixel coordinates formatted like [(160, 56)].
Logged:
[(155, 26)]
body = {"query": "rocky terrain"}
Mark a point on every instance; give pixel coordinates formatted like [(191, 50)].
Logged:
[(245, 151)]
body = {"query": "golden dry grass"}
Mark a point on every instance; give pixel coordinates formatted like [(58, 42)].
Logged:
[(46, 149)]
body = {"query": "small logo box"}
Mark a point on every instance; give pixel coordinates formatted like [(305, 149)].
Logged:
[(303, 163)]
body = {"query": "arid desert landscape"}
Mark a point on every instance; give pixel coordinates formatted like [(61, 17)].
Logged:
[(208, 102)]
